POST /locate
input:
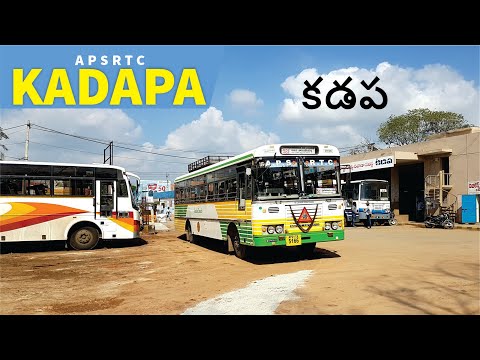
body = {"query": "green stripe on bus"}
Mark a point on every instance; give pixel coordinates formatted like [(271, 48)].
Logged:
[(321, 236), (215, 167), (223, 229), (244, 230), (245, 233), (181, 210)]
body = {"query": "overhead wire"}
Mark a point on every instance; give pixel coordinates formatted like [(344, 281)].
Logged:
[(13, 127), (91, 152)]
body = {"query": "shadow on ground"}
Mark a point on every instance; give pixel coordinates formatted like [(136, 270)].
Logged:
[(45, 246), (265, 255), (433, 296)]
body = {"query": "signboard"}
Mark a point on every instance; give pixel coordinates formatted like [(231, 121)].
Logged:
[(474, 187), (155, 185), (150, 189), (370, 164), (298, 150)]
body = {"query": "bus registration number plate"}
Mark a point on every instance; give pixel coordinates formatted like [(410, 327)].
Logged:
[(293, 240)]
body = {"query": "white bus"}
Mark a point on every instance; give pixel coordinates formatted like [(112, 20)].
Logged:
[(358, 192), (79, 203), (274, 195)]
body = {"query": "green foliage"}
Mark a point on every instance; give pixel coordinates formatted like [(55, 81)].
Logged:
[(416, 125)]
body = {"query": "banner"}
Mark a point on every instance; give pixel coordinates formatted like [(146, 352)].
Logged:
[(474, 187), (370, 164)]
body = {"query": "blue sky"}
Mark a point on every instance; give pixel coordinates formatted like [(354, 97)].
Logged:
[(262, 70), (255, 99)]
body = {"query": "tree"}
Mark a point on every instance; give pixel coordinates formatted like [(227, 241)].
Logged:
[(417, 124)]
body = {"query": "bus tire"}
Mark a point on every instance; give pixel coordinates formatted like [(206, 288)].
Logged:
[(239, 249), (85, 238), (190, 236), (307, 250)]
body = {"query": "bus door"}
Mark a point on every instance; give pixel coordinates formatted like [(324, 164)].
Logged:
[(244, 187), (106, 205)]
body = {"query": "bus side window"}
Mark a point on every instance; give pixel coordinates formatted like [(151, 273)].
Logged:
[(83, 187), (201, 192), (122, 188), (11, 186), (62, 187), (38, 187), (232, 189), (221, 190), (210, 194)]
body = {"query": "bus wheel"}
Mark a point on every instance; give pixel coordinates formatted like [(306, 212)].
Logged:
[(85, 238), (307, 250), (240, 249), (190, 236)]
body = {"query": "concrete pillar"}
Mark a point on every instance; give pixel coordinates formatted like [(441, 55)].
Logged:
[(394, 189)]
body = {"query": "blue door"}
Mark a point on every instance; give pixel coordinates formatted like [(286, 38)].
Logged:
[(469, 208)]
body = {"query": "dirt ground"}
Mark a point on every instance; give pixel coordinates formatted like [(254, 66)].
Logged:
[(383, 270)]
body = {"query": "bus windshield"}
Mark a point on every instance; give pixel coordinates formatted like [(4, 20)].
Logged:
[(374, 190), (295, 178)]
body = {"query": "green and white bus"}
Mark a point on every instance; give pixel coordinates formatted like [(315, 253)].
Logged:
[(274, 195)]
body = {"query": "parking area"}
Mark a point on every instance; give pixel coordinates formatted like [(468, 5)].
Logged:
[(383, 270)]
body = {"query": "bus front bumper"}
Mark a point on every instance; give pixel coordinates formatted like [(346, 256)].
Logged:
[(380, 216), (279, 240)]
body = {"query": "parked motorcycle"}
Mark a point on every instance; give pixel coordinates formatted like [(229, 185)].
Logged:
[(441, 220), (392, 221)]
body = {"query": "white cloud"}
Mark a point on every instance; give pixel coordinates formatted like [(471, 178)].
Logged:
[(208, 135), (436, 87), (211, 131), (102, 124), (245, 100)]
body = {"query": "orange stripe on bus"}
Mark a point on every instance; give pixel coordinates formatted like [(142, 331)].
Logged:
[(31, 213)]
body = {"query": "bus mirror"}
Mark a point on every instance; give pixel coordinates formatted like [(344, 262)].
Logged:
[(248, 171)]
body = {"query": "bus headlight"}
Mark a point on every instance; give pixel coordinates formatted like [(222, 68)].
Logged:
[(279, 229), (334, 226), (271, 229), (327, 226)]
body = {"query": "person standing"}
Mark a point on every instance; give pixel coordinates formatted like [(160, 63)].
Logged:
[(368, 214), (354, 213)]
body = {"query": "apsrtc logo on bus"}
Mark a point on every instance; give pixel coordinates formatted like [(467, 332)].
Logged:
[(304, 216)]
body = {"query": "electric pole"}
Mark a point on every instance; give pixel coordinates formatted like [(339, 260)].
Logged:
[(27, 140)]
